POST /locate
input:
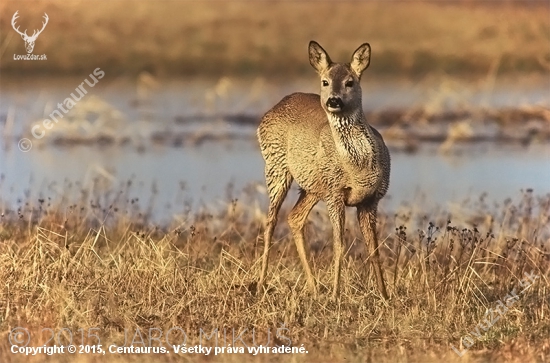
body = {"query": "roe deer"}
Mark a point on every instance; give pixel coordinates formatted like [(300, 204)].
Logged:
[(326, 145)]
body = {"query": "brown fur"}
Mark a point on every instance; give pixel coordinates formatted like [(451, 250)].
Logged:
[(324, 143)]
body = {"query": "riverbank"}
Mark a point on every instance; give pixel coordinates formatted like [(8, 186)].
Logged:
[(409, 39)]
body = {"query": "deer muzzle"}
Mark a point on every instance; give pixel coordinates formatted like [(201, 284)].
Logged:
[(335, 104)]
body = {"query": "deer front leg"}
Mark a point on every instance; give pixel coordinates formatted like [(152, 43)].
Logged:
[(336, 212), (366, 215)]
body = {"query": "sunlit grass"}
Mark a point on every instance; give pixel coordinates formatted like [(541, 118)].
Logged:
[(103, 263), (242, 37)]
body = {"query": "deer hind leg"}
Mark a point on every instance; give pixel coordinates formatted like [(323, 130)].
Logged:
[(297, 220), (336, 212), (366, 216), (278, 181)]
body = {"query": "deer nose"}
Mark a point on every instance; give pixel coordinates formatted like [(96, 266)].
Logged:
[(335, 103)]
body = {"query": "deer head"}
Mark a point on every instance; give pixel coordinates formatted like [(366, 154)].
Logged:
[(340, 82), (29, 41)]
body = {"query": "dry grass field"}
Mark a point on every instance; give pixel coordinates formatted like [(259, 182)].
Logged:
[(247, 38), (472, 280), (103, 264)]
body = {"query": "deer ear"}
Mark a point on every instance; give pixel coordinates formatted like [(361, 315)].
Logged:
[(360, 59), (318, 57)]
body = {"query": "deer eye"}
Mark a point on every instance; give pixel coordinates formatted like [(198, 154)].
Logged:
[(349, 84), (325, 83)]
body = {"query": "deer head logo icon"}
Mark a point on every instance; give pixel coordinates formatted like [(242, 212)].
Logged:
[(29, 40)]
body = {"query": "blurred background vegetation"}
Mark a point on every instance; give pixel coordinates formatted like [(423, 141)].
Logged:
[(214, 38)]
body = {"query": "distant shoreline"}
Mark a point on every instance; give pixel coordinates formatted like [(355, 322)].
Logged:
[(250, 39)]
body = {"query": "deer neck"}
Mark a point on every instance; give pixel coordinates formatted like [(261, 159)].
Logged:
[(353, 139)]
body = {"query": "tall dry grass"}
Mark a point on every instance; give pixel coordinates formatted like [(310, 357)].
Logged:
[(244, 37), (102, 263)]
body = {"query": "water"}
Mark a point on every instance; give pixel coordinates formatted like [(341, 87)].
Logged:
[(205, 171), (33, 100), (200, 174)]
